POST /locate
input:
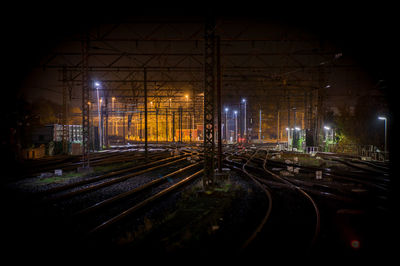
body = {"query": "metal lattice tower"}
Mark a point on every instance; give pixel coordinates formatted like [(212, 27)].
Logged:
[(85, 102), (209, 102), (65, 129)]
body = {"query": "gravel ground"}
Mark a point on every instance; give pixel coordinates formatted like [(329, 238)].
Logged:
[(39, 229), (188, 223)]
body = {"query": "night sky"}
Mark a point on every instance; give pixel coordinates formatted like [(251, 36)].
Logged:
[(366, 32)]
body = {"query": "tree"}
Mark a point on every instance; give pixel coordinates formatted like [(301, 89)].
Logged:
[(360, 125)]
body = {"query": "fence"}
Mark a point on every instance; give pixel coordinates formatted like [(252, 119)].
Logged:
[(367, 151)]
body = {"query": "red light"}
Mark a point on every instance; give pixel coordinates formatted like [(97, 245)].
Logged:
[(355, 244)]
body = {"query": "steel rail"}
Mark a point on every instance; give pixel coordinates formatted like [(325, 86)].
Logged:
[(136, 207), (318, 216), (110, 174), (109, 182), (267, 215), (108, 201)]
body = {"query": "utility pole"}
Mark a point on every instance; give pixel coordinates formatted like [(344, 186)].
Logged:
[(278, 123), (226, 125), (173, 126), (145, 113), (123, 126), (245, 120), (289, 129), (294, 139), (166, 124), (180, 123), (65, 127), (219, 155), (236, 127), (85, 102), (209, 101), (106, 127), (260, 125)]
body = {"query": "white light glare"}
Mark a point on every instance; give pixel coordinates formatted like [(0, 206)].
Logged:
[(297, 128), (226, 109), (327, 128), (244, 100), (235, 112), (97, 84), (382, 118)]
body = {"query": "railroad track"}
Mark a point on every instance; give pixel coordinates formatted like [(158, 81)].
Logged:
[(103, 180), (276, 224), (72, 163), (87, 216)]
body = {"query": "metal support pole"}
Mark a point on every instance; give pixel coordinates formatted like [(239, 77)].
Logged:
[(236, 128), (106, 130), (145, 113), (226, 125), (65, 129), (245, 122), (123, 127), (173, 126), (156, 124), (180, 123), (294, 139), (219, 155), (99, 117), (209, 102), (166, 124), (260, 129), (288, 122), (278, 122), (85, 102)]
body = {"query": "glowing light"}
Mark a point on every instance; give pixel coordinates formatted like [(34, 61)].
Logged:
[(226, 109), (327, 128), (381, 118), (355, 244), (235, 112), (244, 100), (97, 84), (297, 128)]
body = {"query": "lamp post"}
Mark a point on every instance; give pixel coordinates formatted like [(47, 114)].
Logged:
[(97, 85), (327, 128), (236, 126), (245, 127), (188, 117), (226, 124), (385, 119)]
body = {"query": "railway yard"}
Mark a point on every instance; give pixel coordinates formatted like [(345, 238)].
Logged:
[(266, 201), (195, 135)]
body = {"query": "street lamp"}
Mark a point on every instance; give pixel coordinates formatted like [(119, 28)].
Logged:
[(188, 117), (236, 126), (226, 124), (97, 85), (385, 119), (245, 128)]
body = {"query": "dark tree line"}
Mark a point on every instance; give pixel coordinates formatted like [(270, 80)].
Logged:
[(360, 124)]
